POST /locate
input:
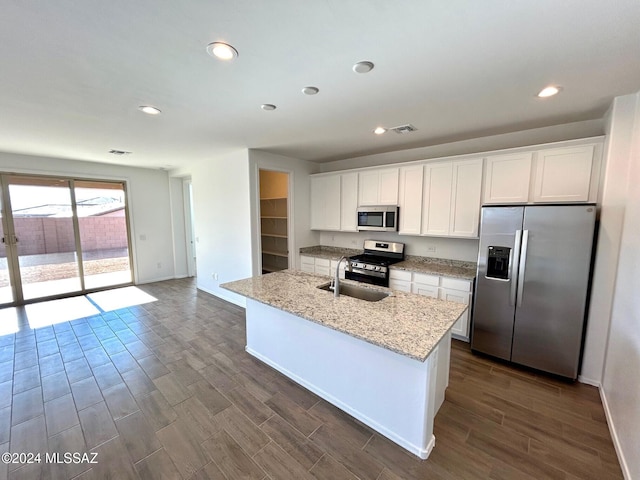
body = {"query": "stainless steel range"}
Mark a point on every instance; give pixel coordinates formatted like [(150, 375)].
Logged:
[(372, 266)]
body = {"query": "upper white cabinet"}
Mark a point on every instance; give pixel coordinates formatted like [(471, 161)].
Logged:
[(325, 202), (410, 199), (508, 178), (436, 207), (451, 198), (563, 174), (378, 187), (349, 202), (465, 198)]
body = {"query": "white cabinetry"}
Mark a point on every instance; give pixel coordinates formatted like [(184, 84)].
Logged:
[(325, 202), (378, 187), (445, 288), (451, 200), (507, 179), (465, 198), (349, 202), (436, 207), (410, 199), (563, 174), (320, 266)]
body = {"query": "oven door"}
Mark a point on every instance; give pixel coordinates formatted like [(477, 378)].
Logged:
[(365, 276)]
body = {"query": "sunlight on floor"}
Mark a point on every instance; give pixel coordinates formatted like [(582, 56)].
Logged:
[(120, 298), (9, 321), (57, 311)]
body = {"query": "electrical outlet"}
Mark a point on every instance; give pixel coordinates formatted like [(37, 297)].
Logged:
[(159, 264), (354, 242), (431, 249)]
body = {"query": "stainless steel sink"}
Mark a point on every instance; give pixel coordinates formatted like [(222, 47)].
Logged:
[(365, 294)]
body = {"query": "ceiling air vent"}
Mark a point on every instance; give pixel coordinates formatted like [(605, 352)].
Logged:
[(408, 128), (119, 152)]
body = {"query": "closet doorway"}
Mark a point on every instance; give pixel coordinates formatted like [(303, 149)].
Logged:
[(61, 237), (274, 220)]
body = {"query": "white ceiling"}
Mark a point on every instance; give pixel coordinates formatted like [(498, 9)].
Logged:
[(72, 73)]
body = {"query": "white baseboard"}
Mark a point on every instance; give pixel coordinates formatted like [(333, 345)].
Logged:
[(589, 381), (157, 279), (614, 436)]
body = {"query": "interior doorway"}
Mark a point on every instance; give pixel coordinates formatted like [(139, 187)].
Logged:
[(274, 220), (61, 237)]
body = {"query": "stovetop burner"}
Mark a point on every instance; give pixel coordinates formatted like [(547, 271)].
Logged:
[(372, 265)]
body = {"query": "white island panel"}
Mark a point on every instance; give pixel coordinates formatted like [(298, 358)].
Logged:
[(395, 395)]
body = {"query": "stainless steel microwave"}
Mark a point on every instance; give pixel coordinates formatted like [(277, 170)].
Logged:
[(382, 218)]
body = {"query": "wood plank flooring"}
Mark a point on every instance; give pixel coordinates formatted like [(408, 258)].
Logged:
[(166, 390)]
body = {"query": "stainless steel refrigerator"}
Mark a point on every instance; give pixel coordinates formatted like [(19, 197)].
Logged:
[(532, 285)]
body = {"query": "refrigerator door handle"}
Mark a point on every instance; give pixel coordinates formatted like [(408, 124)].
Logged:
[(513, 264), (523, 265)]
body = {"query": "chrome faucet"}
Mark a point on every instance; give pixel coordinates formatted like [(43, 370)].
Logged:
[(336, 281)]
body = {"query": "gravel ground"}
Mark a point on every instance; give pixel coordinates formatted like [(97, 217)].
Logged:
[(59, 271)]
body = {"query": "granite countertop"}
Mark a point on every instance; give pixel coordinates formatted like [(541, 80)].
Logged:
[(429, 265), (331, 253), (408, 324), (438, 266)]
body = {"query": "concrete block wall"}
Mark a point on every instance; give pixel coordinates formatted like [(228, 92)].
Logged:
[(39, 235)]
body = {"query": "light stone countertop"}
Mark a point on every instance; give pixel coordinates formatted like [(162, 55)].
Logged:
[(331, 253), (412, 263), (408, 324), (437, 266)]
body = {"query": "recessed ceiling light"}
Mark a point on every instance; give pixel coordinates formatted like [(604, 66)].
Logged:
[(363, 67), (267, 106), (148, 109), (379, 130), (310, 90), (223, 51), (549, 91)]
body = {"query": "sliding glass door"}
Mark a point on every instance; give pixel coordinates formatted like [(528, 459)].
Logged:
[(104, 239), (62, 237)]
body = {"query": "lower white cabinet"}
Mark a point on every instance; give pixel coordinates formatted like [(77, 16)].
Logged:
[(320, 266), (445, 288)]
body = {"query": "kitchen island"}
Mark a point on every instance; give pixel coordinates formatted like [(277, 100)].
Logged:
[(386, 363)]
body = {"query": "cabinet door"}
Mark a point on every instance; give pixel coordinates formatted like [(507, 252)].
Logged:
[(507, 179), (465, 199), (368, 187), (307, 264), (325, 202), (461, 327), (426, 290), (436, 207), (349, 202), (378, 187), (563, 174), (410, 199), (400, 285), (388, 186)]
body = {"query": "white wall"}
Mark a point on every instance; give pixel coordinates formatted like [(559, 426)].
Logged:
[(222, 222), (450, 248), (300, 234), (621, 376), (613, 200), (149, 202)]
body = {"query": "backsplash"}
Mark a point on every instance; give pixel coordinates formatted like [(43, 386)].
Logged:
[(463, 249)]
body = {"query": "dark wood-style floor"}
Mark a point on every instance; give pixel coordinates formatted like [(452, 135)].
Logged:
[(166, 390)]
